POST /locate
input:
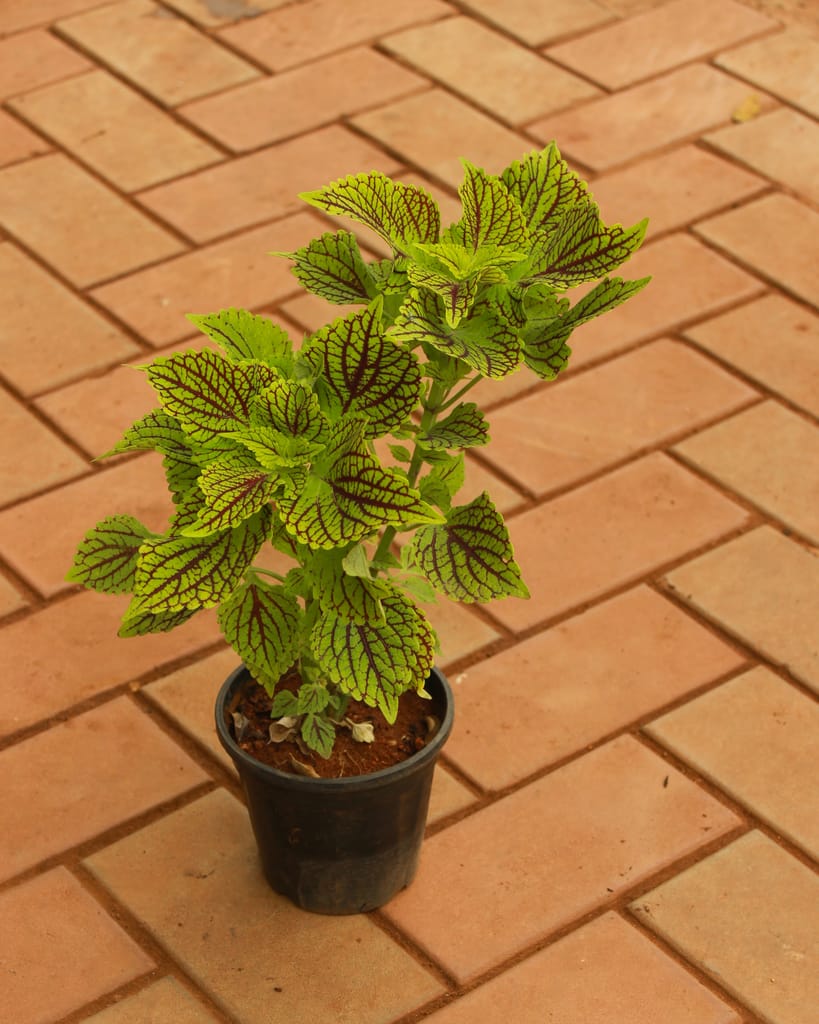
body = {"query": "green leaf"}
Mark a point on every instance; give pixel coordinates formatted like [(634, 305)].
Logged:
[(319, 734), (332, 266), (356, 562), (247, 336), (348, 596), (364, 372), (443, 482), (106, 559), (376, 662), (465, 427), (544, 341), (181, 475), (457, 297), (491, 214), (188, 508), (545, 187), (275, 451), (233, 491), (178, 573), (582, 248), (399, 213), (400, 452), (206, 393), (139, 623), (292, 408), (312, 698), (284, 705), (355, 497), (261, 623), (155, 432), (485, 341), (469, 558)]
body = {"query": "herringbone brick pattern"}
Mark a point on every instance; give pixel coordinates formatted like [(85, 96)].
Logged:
[(624, 826)]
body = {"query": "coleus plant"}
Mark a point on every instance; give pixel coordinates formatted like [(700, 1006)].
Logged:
[(268, 444)]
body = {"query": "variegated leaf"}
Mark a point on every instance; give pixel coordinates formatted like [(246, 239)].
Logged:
[(233, 490), (292, 408), (544, 340), (247, 336), (157, 431), (139, 623), (181, 475), (492, 215), (274, 450), (485, 341), (457, 297), (107, 556), (364, 372), (357, 598), (261, 622), (469, 558), (465, 427), (353, 498), (545, 187), (399, 213), (332, 266), (179, 573), (582, 248), (206, 393), (376, 662)]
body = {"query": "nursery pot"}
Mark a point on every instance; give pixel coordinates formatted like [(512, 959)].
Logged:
[(337, 846)]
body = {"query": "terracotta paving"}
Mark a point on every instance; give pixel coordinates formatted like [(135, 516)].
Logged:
[(623, 827)]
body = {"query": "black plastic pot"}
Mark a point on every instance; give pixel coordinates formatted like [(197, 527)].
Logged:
[(337, 846)]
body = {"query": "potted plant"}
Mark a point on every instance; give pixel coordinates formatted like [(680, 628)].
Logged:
[(272, 448)]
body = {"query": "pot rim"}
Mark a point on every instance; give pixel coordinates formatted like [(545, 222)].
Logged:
[(385, 776)]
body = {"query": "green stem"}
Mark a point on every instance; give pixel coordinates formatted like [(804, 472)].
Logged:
[(267, 572), (459, 394), (433, 403)]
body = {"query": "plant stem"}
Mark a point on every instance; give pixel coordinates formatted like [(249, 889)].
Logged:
[(268, 572), (459, 394), (433, 404)]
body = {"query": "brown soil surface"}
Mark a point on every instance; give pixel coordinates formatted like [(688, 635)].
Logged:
[(393, 743)]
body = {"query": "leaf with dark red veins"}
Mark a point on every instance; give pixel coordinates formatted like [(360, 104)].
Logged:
[(469, 558), (292, 408), (457, 297), (544, 341), (140, 623), (399, 213), (205, 392), (233, 490), (178, 573), (247, 336), (332, 266), (582, 248), (492, 215), (376, 662), (157, 431), (545, 187), (465, 427), (485, 341), (106, 559), (261, 623), (363, 372), (353, 498)]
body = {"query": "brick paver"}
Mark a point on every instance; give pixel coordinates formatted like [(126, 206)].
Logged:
[(760, 710), (88, 954), (748, 915), (623, 827), (110, 127)]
